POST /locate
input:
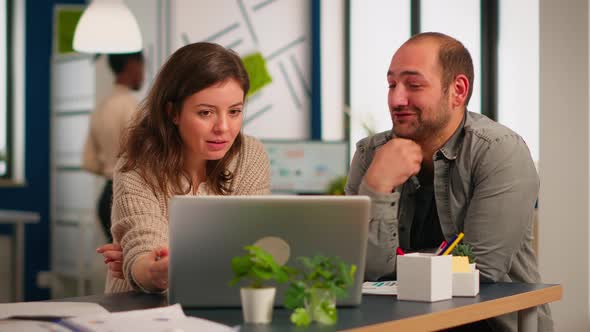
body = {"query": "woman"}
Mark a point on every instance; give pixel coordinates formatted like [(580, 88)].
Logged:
[(185, 140)]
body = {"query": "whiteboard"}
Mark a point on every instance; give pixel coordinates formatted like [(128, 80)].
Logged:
[(280, 110)]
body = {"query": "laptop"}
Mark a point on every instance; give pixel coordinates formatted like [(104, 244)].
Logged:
[(206, 232)]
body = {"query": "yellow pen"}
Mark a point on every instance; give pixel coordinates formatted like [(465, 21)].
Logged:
[(454, 244)]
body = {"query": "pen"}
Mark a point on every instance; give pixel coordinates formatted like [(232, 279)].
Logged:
[(440, 248), (453, 244), (448, 244)]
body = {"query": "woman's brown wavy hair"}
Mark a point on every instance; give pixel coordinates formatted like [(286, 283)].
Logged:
[(152, 145)]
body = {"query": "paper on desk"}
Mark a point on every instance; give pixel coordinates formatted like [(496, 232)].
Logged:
[(380, 287), (51, 309), (163, 319), (11, 325)]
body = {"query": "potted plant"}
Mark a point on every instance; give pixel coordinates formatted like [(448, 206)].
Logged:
[(258, 267), (465, 283), (314, 290), (336, 186), (464, 249)]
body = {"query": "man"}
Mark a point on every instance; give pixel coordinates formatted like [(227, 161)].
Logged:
[(107, 124), (442, 170)]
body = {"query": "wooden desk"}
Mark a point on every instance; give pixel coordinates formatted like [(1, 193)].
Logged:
[(19, 219), (378, 313)]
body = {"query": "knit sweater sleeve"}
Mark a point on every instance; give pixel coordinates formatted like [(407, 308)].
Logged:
[(252, 175), (140, 221)]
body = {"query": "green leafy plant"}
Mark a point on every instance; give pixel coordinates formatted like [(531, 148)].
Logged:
[(313, 291), (336, 186), (464, 249), (258, 267), (365, 120)]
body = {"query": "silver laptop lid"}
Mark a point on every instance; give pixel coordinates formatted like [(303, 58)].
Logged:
[(206, 232)]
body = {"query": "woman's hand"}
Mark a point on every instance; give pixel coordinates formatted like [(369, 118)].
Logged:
[(113, 257), (151, 270)]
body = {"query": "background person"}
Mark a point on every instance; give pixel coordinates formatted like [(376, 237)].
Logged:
[(107, 124)]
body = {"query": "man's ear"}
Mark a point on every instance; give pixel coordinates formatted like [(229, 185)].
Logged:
[(460, 90), (170, 112)]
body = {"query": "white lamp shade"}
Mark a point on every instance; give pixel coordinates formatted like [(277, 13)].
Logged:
[(107, 26)]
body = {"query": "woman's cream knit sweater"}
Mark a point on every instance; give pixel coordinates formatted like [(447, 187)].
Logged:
[(140, 217)]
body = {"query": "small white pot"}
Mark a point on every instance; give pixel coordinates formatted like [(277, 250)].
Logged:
[(257, 304)]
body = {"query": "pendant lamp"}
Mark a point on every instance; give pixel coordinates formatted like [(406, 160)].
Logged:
[(107, 26)]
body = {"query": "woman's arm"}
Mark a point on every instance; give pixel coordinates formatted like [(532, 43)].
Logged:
[(140, 227)]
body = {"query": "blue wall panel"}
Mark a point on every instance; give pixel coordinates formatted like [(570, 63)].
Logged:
[(34, 196)]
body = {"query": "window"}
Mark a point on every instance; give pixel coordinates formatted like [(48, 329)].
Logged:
[(501, 35), (459, 19), (12, 90), (5, 90), (369, 60), (518, 70)]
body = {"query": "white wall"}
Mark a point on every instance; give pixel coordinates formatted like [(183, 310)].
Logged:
[(564, 158)]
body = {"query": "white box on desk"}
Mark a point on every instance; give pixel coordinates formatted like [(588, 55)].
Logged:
[(424, 277), (466, 283)]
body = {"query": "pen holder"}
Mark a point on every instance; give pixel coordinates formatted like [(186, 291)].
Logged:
[(466, 283), (424, 277)]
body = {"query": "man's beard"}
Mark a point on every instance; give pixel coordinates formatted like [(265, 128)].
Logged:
[(428, 128)]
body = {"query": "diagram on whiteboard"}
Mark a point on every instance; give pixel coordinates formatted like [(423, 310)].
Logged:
[(274, 43)]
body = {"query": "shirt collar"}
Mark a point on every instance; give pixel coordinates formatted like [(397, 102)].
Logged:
[(382, 139), (451, 147)]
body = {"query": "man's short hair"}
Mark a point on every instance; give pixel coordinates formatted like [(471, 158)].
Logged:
[(454, 59), (117, 62)]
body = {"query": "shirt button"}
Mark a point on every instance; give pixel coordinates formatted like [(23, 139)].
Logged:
[(392, 203), (394, 234)]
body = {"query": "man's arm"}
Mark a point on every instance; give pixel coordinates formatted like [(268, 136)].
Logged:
[(383, 224), (500, 212)]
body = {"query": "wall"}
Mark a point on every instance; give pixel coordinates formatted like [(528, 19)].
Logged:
[(564, 158), (34, 195)]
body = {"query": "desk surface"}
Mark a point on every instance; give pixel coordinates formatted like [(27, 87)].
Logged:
[(377, 312)]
